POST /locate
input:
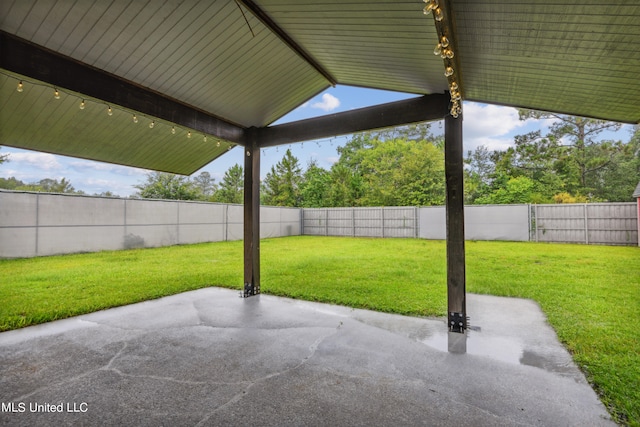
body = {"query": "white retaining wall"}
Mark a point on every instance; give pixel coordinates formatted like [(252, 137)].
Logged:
[(35, 224)]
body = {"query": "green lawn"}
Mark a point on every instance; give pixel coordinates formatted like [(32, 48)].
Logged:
[(591, 294)]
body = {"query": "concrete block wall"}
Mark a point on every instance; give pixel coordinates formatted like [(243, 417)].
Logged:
[(37, 224)]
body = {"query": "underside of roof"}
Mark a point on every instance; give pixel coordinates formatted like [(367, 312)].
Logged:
[(214, 69)]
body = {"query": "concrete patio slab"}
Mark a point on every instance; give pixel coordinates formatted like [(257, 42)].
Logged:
[(210, 358)]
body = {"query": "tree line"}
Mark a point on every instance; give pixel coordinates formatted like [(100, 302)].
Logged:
[(405, 167)]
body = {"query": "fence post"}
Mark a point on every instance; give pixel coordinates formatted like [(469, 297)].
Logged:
[(326, 222), (586, 225), (178, 223), (382, 213), (37, 222), (353, 220), (535, 213)]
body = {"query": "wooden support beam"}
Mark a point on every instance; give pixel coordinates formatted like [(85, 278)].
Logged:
[(412, 110), (30, 60), (251, 214), (453, 167)]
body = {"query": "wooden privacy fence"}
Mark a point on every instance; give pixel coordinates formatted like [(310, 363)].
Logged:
[(594, 223), (589, 223), (361, 222)]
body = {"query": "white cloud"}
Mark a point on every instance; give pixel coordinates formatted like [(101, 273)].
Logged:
[(87, 165), (489, 125), (328, 103), (332, 159), (41, 161)]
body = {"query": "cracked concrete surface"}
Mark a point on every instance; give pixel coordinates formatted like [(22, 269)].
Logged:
[(210, 358)]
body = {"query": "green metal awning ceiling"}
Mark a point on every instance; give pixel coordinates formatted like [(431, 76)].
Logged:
[(218, 68)]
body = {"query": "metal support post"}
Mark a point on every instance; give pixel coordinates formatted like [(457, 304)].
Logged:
[(251, 216), (456, 286)]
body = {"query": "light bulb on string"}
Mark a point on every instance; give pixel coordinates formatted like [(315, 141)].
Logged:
[(438, 50), (109, 111), (82, 105), (20, 87), (173, 130), (56, 94), (152, 124), (444, 41), (135, 119), (217, 143), (189, 134), (437, 14), (448, 71), (431, 4), (204, 138)]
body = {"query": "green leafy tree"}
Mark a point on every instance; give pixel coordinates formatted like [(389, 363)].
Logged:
[(161, 185), (315, 186), (479, 173), (516, 190), (205, 184), (49, 185), (4, 158), (617, 181), (11, 183), (578, 153), (231, 189), (402, 172), (282, 184), (346, 186)]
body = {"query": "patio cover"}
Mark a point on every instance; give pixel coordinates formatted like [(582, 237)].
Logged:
[(220, 68)]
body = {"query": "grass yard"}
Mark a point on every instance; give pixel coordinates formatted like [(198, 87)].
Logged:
[(590, 294)]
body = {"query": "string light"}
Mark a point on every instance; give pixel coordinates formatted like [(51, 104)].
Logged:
[(20, 86), (431, 4), (445, 49)]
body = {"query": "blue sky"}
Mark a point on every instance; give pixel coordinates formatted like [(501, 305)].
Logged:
[(489, 125)]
